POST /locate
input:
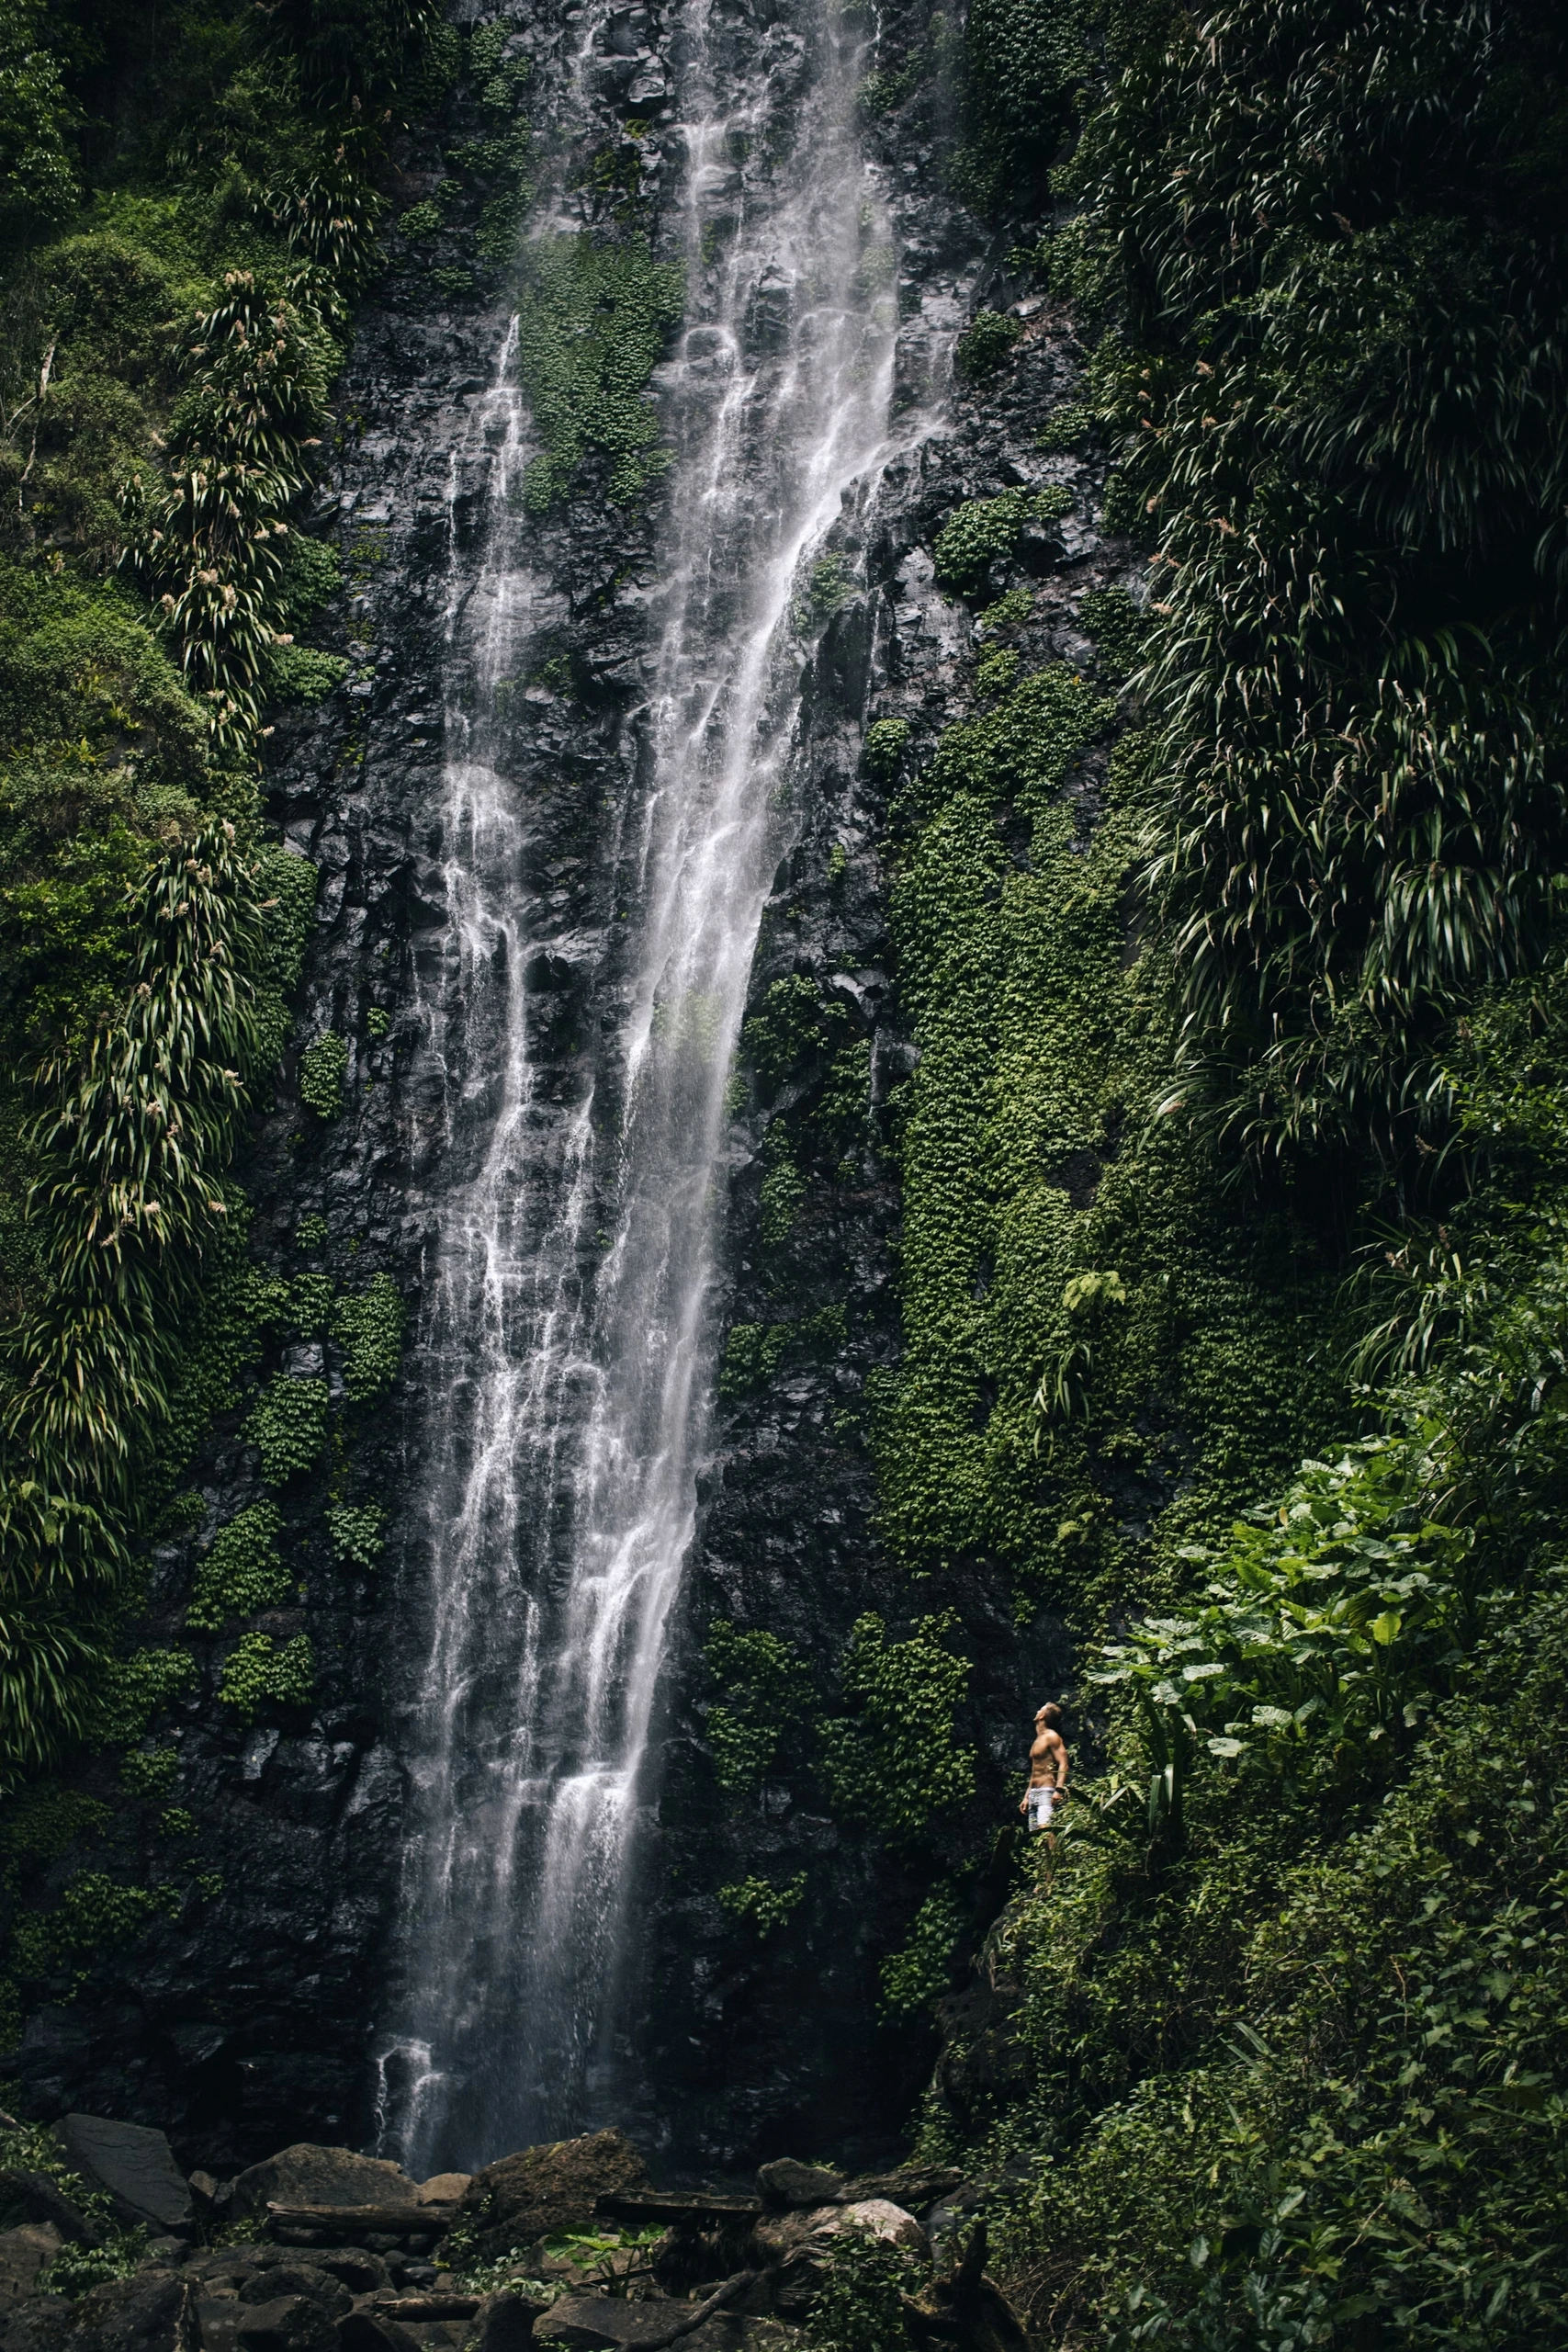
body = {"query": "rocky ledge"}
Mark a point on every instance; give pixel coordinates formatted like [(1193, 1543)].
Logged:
[(569, 2247)]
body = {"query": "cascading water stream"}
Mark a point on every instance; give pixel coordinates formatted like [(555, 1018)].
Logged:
[(570, 1414)]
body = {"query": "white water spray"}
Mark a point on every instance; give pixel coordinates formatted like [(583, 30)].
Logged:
[(572, 1380)]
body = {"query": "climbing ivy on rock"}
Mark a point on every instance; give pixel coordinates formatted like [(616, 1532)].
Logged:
[(890, 1758)]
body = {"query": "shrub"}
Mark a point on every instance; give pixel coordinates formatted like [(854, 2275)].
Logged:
[(985, 344)]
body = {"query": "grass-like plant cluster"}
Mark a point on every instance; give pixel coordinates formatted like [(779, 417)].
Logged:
[(188, 204), (1325, 297)]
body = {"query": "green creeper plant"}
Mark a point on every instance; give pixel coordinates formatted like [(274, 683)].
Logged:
[(368, 1327), (322, 1067), (256, 1673), (358, 1531), (891, 1758), (766, 1690), (761, 1902), (287, 1424), (243, 1570)]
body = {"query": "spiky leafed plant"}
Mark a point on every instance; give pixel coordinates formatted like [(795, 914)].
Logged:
[(204, 544), (1344, 387), (350, 52), (131, 1139)]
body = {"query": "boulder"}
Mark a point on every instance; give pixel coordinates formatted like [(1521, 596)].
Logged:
[(37, 2323), (135, 2165), (504, 2321), (297, 2279), (354, 2266), (23, 2252), (550, 2188), (308, 2174), (786, 2184), (803, 2242), (368, 2330), (912, 2186), (445, 2188), (142, 2313), (33, 2196), (287, 2324), (606, 2323)]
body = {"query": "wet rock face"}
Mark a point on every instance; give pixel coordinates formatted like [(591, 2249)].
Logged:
[(755, 2043), (249, 2020)]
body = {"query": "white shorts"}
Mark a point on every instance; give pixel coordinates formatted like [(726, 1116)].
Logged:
[(1042, 1805)]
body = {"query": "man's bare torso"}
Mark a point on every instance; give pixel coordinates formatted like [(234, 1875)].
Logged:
[(1047, 1761)]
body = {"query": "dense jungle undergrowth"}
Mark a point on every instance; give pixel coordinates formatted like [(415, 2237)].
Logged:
[(1247, 1349), (188, 197)]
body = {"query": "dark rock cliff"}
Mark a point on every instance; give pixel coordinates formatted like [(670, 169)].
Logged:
[(248, 2020)]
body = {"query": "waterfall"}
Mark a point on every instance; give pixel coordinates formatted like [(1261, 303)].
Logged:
[(569, 1331)]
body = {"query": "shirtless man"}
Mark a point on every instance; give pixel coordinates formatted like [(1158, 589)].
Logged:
[(1047, 1783)]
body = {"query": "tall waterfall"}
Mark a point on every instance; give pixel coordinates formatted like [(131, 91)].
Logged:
[(570, 1411)]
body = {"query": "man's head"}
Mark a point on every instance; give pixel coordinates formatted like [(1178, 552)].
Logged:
[(1048, 1717)]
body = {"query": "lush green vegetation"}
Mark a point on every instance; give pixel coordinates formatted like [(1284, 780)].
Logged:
[(1233, 1258), (188, 197)]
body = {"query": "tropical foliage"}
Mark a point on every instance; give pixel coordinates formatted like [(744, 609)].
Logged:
[(1267, 1070)]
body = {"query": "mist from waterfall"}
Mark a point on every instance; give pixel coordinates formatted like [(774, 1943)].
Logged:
[(569, 1413)]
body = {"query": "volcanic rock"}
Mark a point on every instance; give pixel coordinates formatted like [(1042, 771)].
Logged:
[(135, 2165), (23, 2253), (546, 2190), (308, 2174)]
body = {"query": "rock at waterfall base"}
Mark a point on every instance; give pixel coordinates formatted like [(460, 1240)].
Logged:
[(23, 2254), (308, 2174), (545, 2190), (134, 2163), (606, 2323)]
